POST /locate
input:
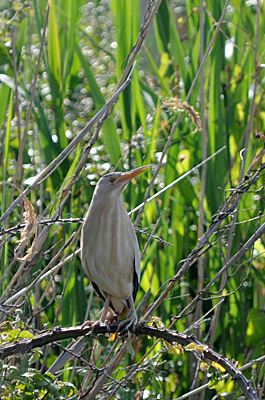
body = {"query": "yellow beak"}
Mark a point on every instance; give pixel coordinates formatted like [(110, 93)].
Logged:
[(127, 176)]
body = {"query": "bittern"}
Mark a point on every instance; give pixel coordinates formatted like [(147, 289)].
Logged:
[(109, 247)]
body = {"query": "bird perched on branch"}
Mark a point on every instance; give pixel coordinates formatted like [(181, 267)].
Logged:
[(109, 247)]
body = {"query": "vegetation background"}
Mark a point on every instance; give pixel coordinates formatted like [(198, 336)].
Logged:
[(197, 86)]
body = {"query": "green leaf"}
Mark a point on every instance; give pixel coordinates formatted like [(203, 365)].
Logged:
[(26, 335), (255, 327), (109, 129)]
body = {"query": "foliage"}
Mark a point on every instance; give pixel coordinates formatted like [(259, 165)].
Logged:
[(30, 384), (84, 53)]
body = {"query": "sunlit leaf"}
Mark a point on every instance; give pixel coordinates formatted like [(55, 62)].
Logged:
[(204, 366), (173, 348)]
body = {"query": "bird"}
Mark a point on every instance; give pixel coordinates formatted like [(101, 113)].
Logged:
[(110, 253)]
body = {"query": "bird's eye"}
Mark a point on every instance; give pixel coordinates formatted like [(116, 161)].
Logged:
[(112, 180)]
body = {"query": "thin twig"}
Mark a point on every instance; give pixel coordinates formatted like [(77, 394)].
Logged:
[(176, 181), (153, 231)]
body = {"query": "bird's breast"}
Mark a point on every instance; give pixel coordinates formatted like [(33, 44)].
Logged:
[(109, 248)]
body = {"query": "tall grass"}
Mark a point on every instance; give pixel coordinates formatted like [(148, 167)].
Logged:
[(86, 48)]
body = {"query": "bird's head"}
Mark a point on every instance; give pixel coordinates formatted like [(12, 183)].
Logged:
[(116, 182)]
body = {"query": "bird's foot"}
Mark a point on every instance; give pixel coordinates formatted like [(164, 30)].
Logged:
[(125, 322), (128, 322), (93, 324), (107, 324), (86, 324)]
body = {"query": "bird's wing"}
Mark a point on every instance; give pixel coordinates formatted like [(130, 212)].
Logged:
[(100, 294), (135, 285), (136, 273)]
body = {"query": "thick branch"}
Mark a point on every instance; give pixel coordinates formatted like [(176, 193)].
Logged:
[(201, 351)]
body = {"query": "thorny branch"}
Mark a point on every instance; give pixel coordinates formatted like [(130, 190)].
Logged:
[(44, 222), (200, 351)]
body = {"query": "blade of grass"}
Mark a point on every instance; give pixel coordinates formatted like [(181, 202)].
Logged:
[(109, 129)]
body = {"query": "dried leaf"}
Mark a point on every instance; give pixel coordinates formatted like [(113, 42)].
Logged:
[(112, 337), (185, 106), (218, 366), (157, 322), (30, 229)]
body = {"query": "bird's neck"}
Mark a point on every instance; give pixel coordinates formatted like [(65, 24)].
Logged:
[(108, 204)]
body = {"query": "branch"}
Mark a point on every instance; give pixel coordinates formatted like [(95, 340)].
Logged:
[(201, 352), (79, 220)]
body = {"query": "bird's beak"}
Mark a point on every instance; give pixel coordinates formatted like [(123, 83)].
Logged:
[(127, 176)]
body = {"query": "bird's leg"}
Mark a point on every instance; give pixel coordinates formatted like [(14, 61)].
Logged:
[(92, 325), (130, 319), (103, 319), (133, 316)]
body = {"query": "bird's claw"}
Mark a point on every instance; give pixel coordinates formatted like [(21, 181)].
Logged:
[(107, 324), (87, 324), (127, 323)]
